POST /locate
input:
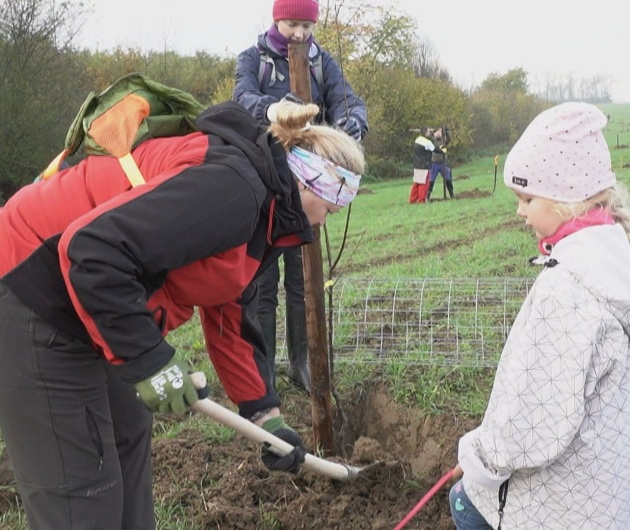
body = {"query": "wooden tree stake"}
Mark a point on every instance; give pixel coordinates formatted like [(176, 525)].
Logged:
[(321, 393)]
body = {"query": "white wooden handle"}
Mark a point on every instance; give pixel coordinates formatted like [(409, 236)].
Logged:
[(257, 434)]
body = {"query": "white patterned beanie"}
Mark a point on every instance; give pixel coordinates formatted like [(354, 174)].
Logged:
[(562, 155)]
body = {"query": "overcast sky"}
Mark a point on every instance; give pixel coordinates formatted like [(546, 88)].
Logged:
[(472, 38)]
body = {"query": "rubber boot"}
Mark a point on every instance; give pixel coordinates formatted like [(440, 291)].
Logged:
[(431, 184), (449, 187), (268, 324), (297, 346)]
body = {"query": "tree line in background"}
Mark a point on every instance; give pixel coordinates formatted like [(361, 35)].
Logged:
[(45, 78)]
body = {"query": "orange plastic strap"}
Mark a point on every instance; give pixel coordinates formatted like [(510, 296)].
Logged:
[(116, 129), (53, 167)]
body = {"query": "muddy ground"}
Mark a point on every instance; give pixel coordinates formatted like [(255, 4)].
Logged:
[(226, 486)]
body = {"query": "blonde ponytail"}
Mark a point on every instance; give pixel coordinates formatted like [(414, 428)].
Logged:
[(292, 128)]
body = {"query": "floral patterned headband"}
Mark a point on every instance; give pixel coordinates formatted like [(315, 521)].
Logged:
[(324, 178)]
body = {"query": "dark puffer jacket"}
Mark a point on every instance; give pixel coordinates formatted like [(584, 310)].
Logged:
[(336, 98)]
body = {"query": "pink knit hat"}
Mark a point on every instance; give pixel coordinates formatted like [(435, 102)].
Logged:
[(295, 10), (562, 155)]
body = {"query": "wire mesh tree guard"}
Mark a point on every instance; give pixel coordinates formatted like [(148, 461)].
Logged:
[(462, 321)]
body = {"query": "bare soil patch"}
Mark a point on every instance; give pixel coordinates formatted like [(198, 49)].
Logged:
[(402, 452), (227, 487)]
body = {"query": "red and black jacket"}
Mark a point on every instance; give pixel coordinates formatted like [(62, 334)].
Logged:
[(120, 267)]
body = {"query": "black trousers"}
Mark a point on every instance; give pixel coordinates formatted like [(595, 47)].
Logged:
[(293, 282), (79, 438)]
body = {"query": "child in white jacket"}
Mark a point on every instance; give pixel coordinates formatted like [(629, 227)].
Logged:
[(553, 449)]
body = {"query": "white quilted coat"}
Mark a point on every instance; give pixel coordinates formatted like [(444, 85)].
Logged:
[(558, 419)]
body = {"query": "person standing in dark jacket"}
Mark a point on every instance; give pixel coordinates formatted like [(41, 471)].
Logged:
[(439, 163), (95, 273), (262, 78)]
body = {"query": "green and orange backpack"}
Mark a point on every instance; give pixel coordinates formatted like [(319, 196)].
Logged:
[(131, 110)]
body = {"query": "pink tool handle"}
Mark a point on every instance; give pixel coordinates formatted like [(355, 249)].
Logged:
[(425, 499)]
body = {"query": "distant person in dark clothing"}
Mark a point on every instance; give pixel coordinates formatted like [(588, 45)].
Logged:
[(439, 162)]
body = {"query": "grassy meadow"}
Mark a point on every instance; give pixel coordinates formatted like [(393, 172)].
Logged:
[(477, 235)]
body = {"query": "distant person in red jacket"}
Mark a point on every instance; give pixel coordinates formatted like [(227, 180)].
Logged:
[(95, 273), (422, 149)]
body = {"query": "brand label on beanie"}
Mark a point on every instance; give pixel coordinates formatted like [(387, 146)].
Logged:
[(518, 181)]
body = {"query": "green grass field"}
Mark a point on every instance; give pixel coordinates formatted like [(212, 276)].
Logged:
[(477, 236)]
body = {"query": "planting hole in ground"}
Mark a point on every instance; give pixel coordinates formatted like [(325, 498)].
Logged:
[(403, 451)]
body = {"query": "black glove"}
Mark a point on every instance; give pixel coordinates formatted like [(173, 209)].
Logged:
[(289, 462), (351, 127), (293, 99)]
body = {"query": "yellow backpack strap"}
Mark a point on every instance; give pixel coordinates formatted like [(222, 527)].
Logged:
[(131, 169)]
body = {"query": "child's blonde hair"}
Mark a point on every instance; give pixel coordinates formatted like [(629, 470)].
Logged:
[(615, 200), (293, 128)]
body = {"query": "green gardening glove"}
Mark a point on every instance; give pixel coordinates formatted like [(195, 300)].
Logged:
[(169, 390)]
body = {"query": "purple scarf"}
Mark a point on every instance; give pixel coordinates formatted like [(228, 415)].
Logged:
[(279, 42)]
